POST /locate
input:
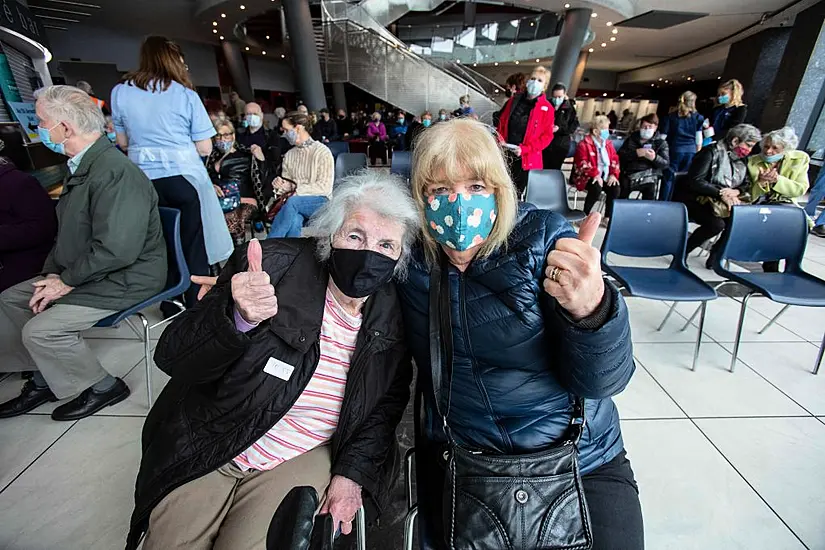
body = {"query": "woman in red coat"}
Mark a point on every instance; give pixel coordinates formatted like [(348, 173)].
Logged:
[(596, 165), (526, 127)]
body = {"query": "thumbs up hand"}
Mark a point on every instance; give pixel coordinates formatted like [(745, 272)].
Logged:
[(574, 274), (254, 296)]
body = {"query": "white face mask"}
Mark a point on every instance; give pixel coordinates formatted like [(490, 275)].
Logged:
[(253, 121), (647, 133)]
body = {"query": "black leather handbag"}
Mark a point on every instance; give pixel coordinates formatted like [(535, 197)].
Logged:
[(515, 502)]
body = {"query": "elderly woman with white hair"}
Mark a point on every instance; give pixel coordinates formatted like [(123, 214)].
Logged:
[(779, 174), (293, 370), (519, 343)]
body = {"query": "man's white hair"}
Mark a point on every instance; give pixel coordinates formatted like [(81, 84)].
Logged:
[(71, 105), (385, 194)]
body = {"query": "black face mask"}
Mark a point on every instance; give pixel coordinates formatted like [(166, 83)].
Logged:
[(508, 93), (359, 273)]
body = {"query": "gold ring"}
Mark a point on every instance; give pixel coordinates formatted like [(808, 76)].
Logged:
[(554, 274)]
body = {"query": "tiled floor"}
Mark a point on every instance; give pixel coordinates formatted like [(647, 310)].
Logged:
[(723, 460)]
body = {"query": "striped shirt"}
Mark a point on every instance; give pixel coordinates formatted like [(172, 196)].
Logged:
[(313, 419), (312, 168)]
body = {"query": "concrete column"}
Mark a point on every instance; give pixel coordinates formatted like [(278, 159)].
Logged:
[(570, 43), (237, 69), (581, 65), (305, 57), (339, 95)]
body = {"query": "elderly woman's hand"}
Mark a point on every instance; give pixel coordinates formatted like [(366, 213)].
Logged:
[(252, 292), (574, 273), (343, 499)]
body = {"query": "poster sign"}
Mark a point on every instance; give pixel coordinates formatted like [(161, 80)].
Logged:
[(27, 117), (7, 83)]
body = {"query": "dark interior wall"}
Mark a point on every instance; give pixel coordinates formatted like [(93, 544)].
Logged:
[(755, 62), (102, 76), (801, 42)]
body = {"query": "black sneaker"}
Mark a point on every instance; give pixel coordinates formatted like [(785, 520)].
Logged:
[(90, 401), (819, 231), (29, 399)]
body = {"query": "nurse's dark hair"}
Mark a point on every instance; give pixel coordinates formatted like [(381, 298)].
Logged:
[(161, 63)]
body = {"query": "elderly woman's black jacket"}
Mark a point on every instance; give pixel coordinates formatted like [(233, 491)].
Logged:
[(219, 401)]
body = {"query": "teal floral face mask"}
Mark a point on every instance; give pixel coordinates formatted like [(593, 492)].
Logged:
[(460, 221)]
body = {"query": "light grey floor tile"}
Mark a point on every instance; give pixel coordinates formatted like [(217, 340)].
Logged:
[(692, 498), (79, 494), (647, 315), (814, 266), (788, 366), (712, 390), (137, 403), (723, 315), (644, 398), (24, 439), (783, 459)]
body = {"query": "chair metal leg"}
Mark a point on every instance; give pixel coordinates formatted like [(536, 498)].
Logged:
[(692, 317), (361, 529), (408, 466), (669, 313), (409, 525), (775, 317), (147, 357), (703, 308), (819, 357), (739, 330)]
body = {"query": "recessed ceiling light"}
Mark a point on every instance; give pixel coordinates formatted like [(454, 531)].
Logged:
[(661, 79), (531, 23), (615, 31), (223, 15), (516, 61), (718, 78), (586, 93), (475, 64), (267, 37), (652, 84), (604, 44), (538, 60), (221, 37), (243, 7), (667, 81), (263, 53), (609, 23), (283, 56), (612, 38), (215, 31), (496, 63), (621, 94), (214, 23), (591, 50), (458, 61), (594, 14), (567, 6), (604, 94), (247, 48)]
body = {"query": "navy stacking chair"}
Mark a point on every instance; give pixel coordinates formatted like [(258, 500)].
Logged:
[(547, 190), (338, 147), (648, 229), (401, 164), (349, 163), (176, 284), (760, 233)]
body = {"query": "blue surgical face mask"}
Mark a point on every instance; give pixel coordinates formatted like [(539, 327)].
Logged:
[(252, 121), (442, 116), (223, 146), (647, 133), (291, 136), (723, 99), (557, 101), (426, 122), (773, 158), (604, 134), (46, 138), (112, 136), (400, 120), (534, 87), (460, 221)]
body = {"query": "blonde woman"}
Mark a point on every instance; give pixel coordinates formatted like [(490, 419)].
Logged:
[(526, 126), (683, 131), (532, 324), (730, 111)]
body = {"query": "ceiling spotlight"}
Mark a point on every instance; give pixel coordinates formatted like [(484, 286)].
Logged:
[(612, 38), (615, 31), (531, 23), (594, 14), (247, 48), (223, 15), (538, 60), (652, 84), (214, 23), (221, 37), (609, 23), (587, 93), (604, 44), (475, 64), (604, 94), (267, 37), (263, 53), (567, 6), (516, 61), (661, 79), (496, 90), (496, 63), (283, 56), (718, 78), (621, 94), (667, 81), (591, 50), (215, 31), (458, 61), (243, 7)]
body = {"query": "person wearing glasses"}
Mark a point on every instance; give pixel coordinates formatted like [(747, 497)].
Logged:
[(161, 122)]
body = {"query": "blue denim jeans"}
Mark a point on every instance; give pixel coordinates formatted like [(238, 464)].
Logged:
[(297, 210), (815, 197)]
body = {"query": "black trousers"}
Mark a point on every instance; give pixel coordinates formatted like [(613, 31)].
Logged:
[(378, 150), (177, 192), (594, 191), (710, 225), (648, 192), (556, 153), (611, 492)]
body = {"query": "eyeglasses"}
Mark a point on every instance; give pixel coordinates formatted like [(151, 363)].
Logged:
[(224, 136)]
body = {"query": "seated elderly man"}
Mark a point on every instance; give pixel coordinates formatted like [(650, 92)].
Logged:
[(109, 255), (262, 143), (291, 371)]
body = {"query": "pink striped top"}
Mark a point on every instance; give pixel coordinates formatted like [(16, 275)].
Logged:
[(314, 417)]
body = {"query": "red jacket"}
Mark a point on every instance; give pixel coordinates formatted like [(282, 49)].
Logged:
[(539, 132), (586, 162)]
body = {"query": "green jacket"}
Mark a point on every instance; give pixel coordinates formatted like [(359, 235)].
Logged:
[(110, 244), (792, 181)]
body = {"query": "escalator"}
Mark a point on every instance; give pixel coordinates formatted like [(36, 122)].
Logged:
[(356, 48)]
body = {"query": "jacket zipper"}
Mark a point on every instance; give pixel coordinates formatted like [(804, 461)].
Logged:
[(462, 305)]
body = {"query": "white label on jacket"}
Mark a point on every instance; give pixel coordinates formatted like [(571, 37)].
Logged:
[(545, 108), (279, 369)]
